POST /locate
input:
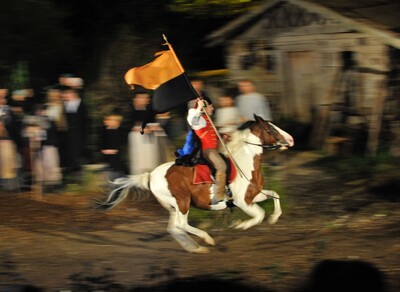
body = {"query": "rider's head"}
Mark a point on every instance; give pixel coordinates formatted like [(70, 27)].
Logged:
[(208, 106), (206, 101)]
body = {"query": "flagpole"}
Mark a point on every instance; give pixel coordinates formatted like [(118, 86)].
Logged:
[(180, 65), (199, 98), (173, 52)]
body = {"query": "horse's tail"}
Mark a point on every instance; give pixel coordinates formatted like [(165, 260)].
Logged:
[(123, 187)]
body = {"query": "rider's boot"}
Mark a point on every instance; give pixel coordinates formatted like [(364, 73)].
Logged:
[(220, 192)]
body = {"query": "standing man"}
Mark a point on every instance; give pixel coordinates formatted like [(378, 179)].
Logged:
[(112, 140), (78, 124), (250, 102), (202, 126)]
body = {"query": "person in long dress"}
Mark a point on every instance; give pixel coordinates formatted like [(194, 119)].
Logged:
[(142, 144), (8, 151), (41, 132), (55, 111)]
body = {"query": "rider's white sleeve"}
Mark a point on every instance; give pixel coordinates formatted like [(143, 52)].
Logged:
[(195, 119)]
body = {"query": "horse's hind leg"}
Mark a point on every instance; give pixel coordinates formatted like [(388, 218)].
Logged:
[(183, 223), (175, 224), (175, 228), (177, 233)]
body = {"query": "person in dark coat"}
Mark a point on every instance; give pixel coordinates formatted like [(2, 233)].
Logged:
[(112, 139), (77, 132)]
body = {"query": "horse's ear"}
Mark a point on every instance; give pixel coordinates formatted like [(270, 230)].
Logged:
[(258, 118)]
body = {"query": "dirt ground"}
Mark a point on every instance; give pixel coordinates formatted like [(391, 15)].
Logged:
[(57, 242)]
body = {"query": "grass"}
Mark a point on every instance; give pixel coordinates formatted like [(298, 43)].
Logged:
[(356, 167), (197, 215)]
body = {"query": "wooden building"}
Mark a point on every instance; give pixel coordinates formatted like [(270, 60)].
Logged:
[(316, 59)]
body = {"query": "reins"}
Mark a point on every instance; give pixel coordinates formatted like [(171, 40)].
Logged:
[(253, 184), (268, 147)]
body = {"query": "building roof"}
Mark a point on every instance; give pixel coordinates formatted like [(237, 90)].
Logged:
[(379, 18)]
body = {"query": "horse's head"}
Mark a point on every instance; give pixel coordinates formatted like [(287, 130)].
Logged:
[(270, 135)]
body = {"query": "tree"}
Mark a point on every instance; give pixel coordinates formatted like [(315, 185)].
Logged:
[(31, 33), (213, 8)]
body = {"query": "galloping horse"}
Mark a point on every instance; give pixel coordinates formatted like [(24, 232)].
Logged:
[(173, 187)]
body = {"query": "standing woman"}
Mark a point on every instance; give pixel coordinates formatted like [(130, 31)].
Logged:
[(55, 111), (41, 132), (8, 151), (142, 146)]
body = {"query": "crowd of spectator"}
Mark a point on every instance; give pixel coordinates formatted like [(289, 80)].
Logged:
[(45, 143)]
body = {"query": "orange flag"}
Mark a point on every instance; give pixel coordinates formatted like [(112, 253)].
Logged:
[(164, 68), (166, 77)]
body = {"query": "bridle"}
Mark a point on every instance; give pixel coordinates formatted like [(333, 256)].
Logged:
[(272, 131), (267, 147)]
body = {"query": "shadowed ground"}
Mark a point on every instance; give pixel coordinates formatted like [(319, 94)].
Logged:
[(59, 243)]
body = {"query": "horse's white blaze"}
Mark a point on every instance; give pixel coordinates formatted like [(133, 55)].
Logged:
[(289, 139)]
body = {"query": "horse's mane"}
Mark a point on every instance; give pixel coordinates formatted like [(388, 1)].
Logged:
[(238, 137), (246, 125)]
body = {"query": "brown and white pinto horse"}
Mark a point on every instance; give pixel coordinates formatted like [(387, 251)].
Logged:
[(173, 187)]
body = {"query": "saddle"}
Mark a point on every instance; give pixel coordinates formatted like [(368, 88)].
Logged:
[(203, 170), (190, 155)]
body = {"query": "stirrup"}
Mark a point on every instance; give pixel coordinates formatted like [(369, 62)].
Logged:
[(230, 204), (228, 191)]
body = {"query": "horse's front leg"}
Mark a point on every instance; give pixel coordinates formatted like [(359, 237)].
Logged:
[(257, 212), (266, 194), (253, 210)]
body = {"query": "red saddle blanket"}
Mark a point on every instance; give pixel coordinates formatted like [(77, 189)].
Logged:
[(202, 173)]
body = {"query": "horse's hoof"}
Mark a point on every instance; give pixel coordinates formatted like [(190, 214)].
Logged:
[(200, 249), (273, 219), (241, 226), (209, 240), (235, 223)]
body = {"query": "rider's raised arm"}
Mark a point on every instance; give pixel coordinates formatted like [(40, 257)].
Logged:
[(195, 119)]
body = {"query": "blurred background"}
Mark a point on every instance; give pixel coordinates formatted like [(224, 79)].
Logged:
[(97, 40), (329, 68)]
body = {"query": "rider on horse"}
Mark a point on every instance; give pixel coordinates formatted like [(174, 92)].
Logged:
[(201, 124)]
